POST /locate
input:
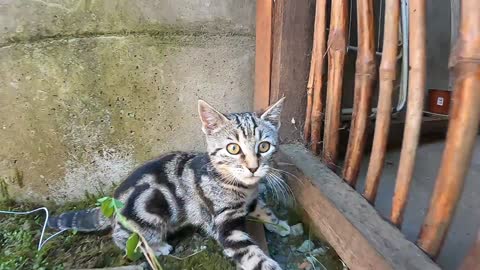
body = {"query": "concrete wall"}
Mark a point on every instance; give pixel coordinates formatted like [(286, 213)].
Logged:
[(89, 88)]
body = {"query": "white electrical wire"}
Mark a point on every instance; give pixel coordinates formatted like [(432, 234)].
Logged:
[(40, 243)]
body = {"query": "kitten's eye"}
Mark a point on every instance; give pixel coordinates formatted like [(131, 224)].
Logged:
[(233, 148), (263, 147)]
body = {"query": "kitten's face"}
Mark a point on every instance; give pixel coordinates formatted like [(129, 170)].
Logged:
[(241, 145)]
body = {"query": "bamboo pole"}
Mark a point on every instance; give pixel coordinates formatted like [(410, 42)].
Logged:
[(472, 260), (388, 71), (416, 86), (337, 43), (308, 113), (364, 78), (462, 131), (319, 47), (263, 54)]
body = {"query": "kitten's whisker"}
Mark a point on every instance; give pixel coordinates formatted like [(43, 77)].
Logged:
[(285, 186), (289, 174), (278, 186)]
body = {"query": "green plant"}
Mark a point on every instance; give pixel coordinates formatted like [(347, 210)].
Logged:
[(111, 207)]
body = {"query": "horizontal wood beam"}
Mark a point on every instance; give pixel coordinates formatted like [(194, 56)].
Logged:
[(360, 236)]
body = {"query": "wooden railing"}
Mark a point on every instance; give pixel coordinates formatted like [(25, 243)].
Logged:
[(464, 116)]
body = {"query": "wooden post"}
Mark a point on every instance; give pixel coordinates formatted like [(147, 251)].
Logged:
[(261, 97), (337, 43), (319, 52), (416, 92), (263, 54), (388, 71), (462, 131), (364, 78), (292, 46), (472, 260)]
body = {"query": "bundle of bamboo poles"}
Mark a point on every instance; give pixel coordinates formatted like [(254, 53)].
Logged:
[(464, 116), (337, 43)]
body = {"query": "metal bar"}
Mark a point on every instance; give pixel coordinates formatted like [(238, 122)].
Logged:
[(319, 47), (402, 95), (417, 74), (365, 72), (337, 47), (388, 71), (263, 54), (462, 131)]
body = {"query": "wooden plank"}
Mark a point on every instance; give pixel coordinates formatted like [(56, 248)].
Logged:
[(461, 134), (365, 72), (388, 71), (292, 45), (337, 45), (360, 236), (413, 122), (263, 54)]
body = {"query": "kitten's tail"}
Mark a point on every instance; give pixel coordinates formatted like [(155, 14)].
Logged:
[(89, 220)]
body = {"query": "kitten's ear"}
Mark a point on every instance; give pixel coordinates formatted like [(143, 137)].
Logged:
[(212, 120), (272, 114)]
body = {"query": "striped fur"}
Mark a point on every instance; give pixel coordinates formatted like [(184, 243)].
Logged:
[(214, 191)]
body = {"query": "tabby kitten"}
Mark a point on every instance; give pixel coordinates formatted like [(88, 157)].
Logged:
[(214, 191)]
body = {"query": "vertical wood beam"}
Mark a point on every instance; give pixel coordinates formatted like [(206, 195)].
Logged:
[(292, 47), (263, 54)]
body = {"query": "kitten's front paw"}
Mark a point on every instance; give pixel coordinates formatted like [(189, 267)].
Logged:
[(270, 264), (163, 249), (281, 228)]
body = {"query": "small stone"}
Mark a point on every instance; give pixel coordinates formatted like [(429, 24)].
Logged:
[(297, 229), (281, 228), (306, 265), (319, 251), (306, 246), (179, 249)]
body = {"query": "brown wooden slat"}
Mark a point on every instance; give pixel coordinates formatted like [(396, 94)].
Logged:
[(257, 232), (263, 54), (337, 42), (413, 122), (472, 260), (319, 51), (292, 45), (364, 79), (388, 71), (462, 131)]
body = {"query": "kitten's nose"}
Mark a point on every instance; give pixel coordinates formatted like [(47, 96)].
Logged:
[(253, 170)]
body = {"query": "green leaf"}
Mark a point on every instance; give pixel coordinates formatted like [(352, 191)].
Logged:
[(107, 209), (131, 247), (118, 204), (101, 200)]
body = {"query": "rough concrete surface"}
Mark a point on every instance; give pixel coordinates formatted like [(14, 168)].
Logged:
[(26, 20), (467, 217), (82, 103)]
